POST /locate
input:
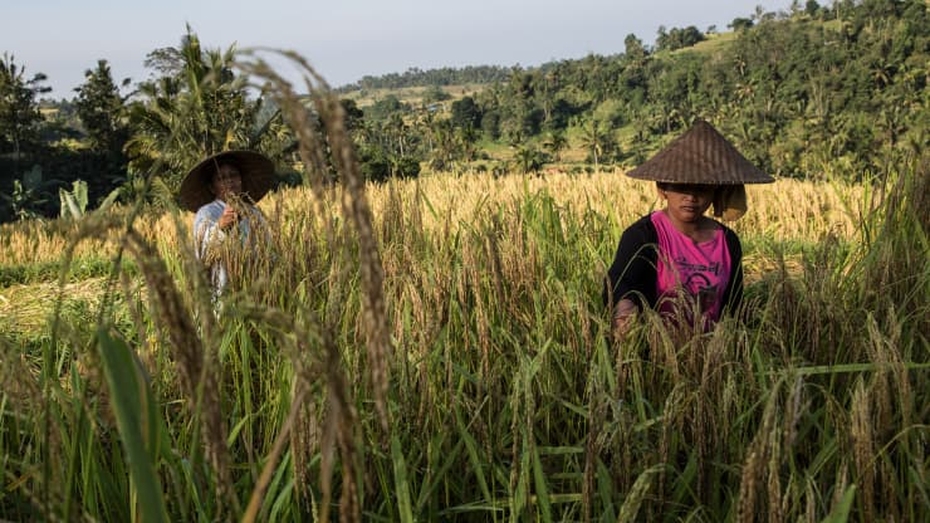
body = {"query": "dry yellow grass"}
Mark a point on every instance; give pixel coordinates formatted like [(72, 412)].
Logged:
[(785, 210), (788, 210), (28, 308)]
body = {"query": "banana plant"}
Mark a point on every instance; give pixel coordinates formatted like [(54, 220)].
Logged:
[(73, 202)]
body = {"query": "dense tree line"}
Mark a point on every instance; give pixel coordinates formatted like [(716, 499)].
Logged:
[(812, 92), (480, 74)]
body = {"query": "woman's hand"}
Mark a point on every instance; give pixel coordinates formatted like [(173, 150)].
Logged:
[(623, 316), (229, 218)]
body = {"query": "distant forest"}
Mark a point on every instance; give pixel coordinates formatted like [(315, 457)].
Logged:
[(811, 92), (445, 76)]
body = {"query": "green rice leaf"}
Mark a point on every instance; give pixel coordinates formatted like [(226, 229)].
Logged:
[(131, 398), (840, 513), (401, 484), (541, 488)]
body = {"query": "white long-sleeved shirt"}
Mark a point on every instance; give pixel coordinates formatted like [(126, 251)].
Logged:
[(208, 235)]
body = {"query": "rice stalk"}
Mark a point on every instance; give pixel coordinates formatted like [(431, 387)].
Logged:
[(810, 502), (198, 375), (354, 202), (756, 462), (597, 412), (863, 448), (774, 487), (280, 443), (634, 499), (796, 408)]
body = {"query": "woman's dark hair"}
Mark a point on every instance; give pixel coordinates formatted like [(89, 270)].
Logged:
[(679, 187)]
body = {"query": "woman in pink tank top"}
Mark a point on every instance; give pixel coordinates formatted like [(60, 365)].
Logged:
[(694, 264), (677, 260)]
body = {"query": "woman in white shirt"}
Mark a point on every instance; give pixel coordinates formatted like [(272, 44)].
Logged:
[(223, 190)]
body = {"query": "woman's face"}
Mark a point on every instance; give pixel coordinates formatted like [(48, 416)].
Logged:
[(227, 182), (687, 203)]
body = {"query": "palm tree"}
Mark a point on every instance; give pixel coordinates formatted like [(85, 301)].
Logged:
[(445, 146), (529, 160), (198, 108), (592, 138), (19, 112), (555, 143)]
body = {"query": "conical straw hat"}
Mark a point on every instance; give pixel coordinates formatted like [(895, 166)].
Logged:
[(700, 156), (256, 170)]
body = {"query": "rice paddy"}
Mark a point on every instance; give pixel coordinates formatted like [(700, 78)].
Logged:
[(437, 350)]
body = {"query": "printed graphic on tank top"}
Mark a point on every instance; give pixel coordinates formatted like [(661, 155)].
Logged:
[(692, 276)]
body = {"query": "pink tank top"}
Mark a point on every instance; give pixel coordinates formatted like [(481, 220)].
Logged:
[(691, 275)]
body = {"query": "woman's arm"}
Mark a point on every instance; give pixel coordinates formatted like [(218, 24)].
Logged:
[(630, 285), (733, 294), (208, 231), (623, 316)]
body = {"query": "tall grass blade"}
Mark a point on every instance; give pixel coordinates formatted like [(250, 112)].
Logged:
[(634, 500), (471, 447), (401, 483), (542, 488), (429, 490), (840, 513), (134, 408)]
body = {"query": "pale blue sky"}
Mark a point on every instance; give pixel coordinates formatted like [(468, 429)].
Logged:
[(343, 39)]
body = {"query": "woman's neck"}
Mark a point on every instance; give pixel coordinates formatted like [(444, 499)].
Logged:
[(698, 230)]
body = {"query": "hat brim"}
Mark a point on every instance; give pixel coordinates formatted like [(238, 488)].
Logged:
[(700, 156), (256, 170)]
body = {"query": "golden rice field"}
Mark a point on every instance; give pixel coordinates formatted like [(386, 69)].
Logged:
[(789, 211), (499, 397), (785, 211)]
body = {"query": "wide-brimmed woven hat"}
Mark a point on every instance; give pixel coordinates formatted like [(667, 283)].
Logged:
[(700, 156), (256, 169)]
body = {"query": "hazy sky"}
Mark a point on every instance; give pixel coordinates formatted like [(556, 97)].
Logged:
[(343, 39)]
